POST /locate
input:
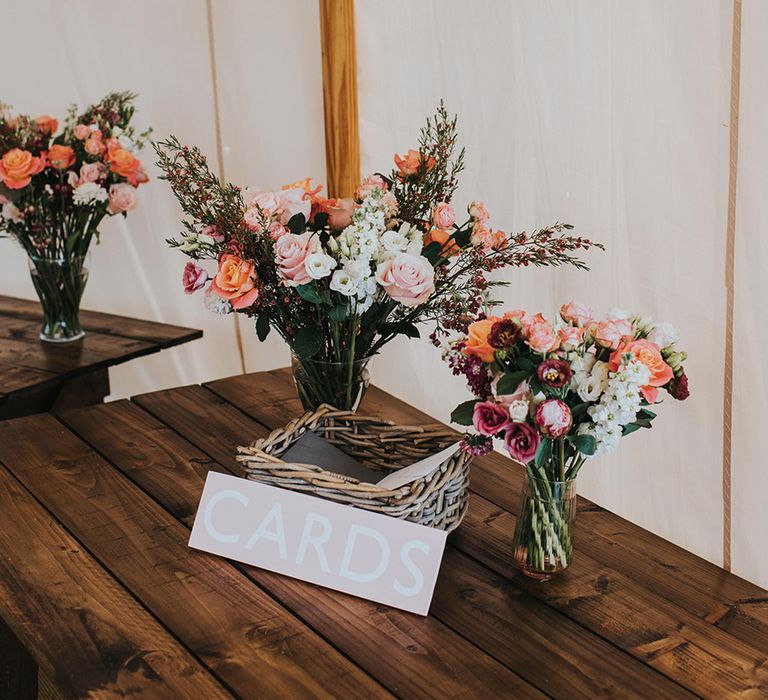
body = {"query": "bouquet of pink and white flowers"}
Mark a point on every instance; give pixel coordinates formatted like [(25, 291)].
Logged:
[(557, 393), (339, 278)]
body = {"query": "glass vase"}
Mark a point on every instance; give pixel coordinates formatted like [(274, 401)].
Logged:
[(543, 541), (340, 384), (59, 283)]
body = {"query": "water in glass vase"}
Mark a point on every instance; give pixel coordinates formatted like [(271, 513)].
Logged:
[(340, 384), (59, 283)]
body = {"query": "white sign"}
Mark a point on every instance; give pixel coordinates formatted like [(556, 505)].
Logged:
[(372, 556)]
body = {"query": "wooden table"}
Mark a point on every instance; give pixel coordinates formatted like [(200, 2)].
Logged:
[(98, 583), (37, 376)]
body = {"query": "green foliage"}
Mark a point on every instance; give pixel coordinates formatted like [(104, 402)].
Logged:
[(462, 414), (510, 381)]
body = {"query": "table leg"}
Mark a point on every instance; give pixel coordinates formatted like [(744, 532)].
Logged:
[(18, 670)]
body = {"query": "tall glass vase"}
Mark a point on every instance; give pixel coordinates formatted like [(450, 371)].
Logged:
[(543, 539), (59, 283), (340, 384)]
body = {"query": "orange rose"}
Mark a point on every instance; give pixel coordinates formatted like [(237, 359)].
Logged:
[(17, 168), (409, 163), (47, 124), (122, 162), (61, 157), (477, 343), (649, 354), (234, 281), (437, 235)]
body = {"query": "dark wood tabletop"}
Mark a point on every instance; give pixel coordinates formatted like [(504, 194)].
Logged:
[(98, 583), (36, 376)]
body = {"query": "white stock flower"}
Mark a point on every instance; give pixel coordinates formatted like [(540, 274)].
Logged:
[(319, 265), (664, 334), (89, 193)]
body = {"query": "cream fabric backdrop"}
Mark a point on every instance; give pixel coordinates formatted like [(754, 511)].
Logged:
[(611, 115)]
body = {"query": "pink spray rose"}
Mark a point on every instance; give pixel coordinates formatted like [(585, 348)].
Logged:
[(340, 214), (268, 202), (409, 279), (570, 337), (122, 197), (443, 215), (194, 277), (542, 337), (255, 218), (609, 334), (553, 418), (487, 239), (369, 184), (291, 250), (576, 313), (478, 212), (82, 132), (294, 202), (522, 440), (490, 418), (91, 172)]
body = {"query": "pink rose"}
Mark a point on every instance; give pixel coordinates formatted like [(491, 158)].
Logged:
[(254, 218), (340, 214), (522, 440), (269, 202), (570, 337), (443, 215), (276, 230), (368, 185), (576, 313), (542, 337), (478, 212), (408, 279), (94, 146), (609, 334), (523, 318), (193, 278), (486, 238), (92, 172), (82, 132), (294, 202), (213, 233), (291, 250), (234, 281), (553, 418), (122, 197), (490, 418)]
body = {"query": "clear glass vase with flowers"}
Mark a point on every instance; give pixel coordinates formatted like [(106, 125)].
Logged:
[(556, 394)]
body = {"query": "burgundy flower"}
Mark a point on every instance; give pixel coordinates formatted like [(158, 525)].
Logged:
[(678, 387), (490, 418), (503, 334), (476, 445), (554, 373), (522, 440), (553, 418)]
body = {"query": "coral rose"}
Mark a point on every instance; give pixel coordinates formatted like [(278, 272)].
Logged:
[(448, 246), (291, 250), (408, 279), (576, 313), (234, 281), (649, 354), (82, 132), (47, 124), (522, 441), (122, 162), (410, 163), (443, 215), (94, 146), (487, 239), (490, 418), (193, 278), (542, 337), (61, 157), (17, 168), (609, 334), (340, 213), (553, 418), (122, 198), (570, 337), (477, 341)]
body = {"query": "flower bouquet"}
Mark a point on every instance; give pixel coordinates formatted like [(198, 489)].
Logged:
[(56, 189), (340, 278), (557, 394)]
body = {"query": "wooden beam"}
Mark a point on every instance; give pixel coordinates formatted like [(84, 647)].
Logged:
[(342, 141)]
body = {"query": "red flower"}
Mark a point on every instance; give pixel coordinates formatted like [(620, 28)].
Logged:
[(522, 441), (490, 418), (555, 373), (678, 387), (504, 334)]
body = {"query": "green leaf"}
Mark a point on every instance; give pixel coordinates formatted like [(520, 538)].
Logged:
[(526, 363), (645, 413), (262, 327), (308, 292), (543, 452), (340, 312), (407, 329), (297, 223), (579, 409), (320, 220), (629, 428), (462, 414), (307, 342), (586, 444), (536, 387), (432, 252), (509, 382), (462, 237)]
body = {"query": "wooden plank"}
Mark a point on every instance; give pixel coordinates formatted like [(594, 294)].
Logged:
[(161, 334), (342, 141), (85, 631), (18, 670), (249, 641), (15, 377), (412, 656), (692, 583), (218, 428), (745, 669)]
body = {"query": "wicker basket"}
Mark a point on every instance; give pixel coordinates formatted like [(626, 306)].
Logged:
[(438, 500)]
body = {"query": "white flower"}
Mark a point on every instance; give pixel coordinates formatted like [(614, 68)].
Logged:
[(319, 265), (394, 241), (344, 283), (213, 302), (664, 334), (89, 193), (518, 410), (11, 213)]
